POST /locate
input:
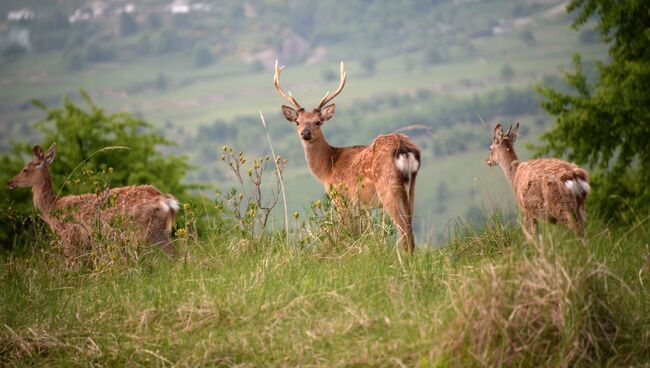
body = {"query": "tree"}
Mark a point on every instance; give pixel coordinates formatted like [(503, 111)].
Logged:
[(606, 125), (13, 52), (90, 138), (203, 57), (128, 25), (528, 37)]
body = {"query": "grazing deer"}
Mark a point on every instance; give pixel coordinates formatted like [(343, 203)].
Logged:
[(381, 174), (143, 210), (545, 188)]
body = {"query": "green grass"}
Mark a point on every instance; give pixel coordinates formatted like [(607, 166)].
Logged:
[(487, 298)]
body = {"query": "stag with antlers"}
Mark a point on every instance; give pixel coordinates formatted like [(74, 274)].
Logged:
[(144, 212), (381, 174)]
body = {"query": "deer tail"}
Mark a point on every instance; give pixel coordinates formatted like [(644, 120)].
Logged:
[(169, 205), (407, 162)]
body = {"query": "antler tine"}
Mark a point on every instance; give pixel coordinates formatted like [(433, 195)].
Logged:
[(276, 82), (329, 97)]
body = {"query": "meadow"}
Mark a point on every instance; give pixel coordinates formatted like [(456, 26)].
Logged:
[(488, 298), (475, 293)]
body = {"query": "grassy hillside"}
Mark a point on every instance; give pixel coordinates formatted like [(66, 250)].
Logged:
[(487, 299), (436, 64)]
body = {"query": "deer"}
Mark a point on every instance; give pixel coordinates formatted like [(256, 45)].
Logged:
[(381, 174), (142, 211), (546, 188)]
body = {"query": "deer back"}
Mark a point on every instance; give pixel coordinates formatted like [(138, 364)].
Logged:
[(550, 185)]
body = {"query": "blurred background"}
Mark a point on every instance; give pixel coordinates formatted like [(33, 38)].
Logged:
[(442, 71)]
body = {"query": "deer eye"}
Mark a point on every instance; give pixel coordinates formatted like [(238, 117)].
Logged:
[(318, 123), (24, 170)]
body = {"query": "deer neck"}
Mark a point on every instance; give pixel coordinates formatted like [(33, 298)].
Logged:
[(44, 198), (319, 155), (510, 164)]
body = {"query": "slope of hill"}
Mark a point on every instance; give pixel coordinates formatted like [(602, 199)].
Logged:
[(200, 72)]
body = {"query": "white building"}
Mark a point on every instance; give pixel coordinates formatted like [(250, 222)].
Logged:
[(20, 14)]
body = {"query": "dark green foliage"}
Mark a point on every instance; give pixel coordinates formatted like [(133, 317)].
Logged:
[(528, 37), (128, 25), (433, 56), (90, 140), (74, 60), (168, 41), (51, 32), (13, 52), (589, 36), (606, 124), (99, 52), (203, 57)]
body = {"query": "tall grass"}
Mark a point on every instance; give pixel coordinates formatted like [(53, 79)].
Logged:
[(487, 299)]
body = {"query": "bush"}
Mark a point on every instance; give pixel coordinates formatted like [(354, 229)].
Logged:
[(74, 60), (13, 52), (99, 52), (128, 25)]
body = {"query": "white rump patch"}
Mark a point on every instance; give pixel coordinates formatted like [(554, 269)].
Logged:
[(169, 203), (407, 163), (578, 186), (584, 185)]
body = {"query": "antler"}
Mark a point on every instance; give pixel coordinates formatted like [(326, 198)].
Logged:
[(329, 98), (276, 82)]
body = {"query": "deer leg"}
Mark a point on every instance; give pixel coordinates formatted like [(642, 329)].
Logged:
[(412, 197), (581, 216), (530, 228), (162, 239), (159, 235), (573, 221), (397, 206)]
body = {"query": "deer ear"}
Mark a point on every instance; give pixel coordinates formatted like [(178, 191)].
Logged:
[(38, 154), (289, 113), (327, 112), (498, 133), (512, 135), (49, 155)]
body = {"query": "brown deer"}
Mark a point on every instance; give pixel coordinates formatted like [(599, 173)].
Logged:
[(545, 188), (381, 174), (142, 210)]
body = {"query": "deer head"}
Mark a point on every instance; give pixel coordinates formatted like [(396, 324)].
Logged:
[(308, 122), (35, 172), (502, 143)]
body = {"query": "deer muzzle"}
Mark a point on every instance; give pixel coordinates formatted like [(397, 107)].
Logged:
[(305, 134)]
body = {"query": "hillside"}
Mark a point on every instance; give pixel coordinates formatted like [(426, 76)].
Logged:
[(487, 299), (203, 75)]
